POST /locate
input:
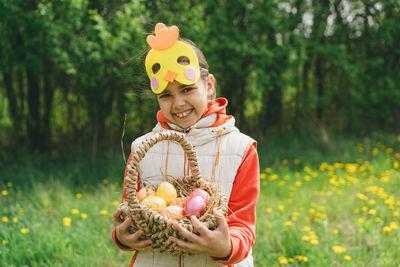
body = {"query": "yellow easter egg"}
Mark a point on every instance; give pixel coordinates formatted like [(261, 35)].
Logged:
[(166, 191)]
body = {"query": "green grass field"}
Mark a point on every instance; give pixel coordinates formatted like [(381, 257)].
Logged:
[(321, 204)]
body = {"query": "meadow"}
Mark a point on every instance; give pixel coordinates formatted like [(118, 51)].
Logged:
[(334, 203)]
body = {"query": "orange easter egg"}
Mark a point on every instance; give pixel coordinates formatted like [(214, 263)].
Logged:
[(172, 212), (179, 201)]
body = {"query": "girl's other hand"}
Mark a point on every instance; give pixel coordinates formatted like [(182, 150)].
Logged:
[(124, 237), (216, 243)]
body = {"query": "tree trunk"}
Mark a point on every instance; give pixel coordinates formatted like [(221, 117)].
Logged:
[(33, 122), (12, 101)]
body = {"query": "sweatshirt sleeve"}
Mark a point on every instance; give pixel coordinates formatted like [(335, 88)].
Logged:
[(242, 208), (113, 234)]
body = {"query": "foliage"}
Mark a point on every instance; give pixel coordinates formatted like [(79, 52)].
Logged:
[(71, 70)]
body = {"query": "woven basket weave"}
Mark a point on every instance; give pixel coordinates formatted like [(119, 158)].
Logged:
[(155, 226)]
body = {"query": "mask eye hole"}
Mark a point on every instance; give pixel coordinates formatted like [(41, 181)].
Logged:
[(183, 60), (156, 67)]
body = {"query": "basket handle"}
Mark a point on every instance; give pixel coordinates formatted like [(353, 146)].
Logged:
[(133, 167)]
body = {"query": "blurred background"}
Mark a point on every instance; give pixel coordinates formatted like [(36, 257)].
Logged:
[(71, 70), (316, 83)]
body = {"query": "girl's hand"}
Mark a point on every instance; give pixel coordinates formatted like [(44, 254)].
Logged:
[(216, 243), (124, 237)]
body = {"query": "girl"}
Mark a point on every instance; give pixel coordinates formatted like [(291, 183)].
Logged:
[(185, 91)]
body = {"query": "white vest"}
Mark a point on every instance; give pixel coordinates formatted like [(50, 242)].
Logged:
[(233, 147)]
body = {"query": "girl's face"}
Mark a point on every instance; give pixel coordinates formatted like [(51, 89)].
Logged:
[(184, 105)]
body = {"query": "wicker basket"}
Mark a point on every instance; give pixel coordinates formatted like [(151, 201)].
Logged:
[(155, 226)]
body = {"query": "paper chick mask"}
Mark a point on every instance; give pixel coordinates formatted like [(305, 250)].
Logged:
[(165, 52)]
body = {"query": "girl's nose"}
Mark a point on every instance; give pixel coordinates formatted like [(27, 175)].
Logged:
[(179, 100)]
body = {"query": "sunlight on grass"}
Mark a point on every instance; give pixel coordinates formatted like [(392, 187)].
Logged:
[(342, 209), (339, 213)]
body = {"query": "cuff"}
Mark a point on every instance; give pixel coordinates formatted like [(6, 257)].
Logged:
[(118, 244), (226, 260)]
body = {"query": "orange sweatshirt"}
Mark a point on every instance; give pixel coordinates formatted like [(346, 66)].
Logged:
[(243, 199)]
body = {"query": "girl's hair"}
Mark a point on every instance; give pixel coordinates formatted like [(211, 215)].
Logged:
[(200, 56)]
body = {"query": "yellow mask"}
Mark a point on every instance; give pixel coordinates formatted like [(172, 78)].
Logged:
[(166, 51)]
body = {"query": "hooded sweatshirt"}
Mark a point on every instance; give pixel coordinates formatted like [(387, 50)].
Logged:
[(245, 189)]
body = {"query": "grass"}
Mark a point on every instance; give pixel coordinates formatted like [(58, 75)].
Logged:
[(330, 203)]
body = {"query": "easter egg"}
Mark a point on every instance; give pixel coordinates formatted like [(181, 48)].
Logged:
[(172, 212), (195, 206), (179, 201), (202, 193), (145, 192), (154, 202), (166, 191)]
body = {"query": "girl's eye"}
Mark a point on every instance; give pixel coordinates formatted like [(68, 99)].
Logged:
[(164, 95), (187, 89)]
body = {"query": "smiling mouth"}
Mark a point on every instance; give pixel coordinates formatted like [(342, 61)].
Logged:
[(183, 114)]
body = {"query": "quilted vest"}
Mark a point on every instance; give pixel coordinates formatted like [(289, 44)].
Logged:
[(233, 146)]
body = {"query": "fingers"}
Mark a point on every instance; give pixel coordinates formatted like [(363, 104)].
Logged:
[(186, 233), (221, 221), (199, 226), (116, 217)]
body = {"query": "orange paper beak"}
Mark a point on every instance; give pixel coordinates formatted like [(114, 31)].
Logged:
[(170, 76)]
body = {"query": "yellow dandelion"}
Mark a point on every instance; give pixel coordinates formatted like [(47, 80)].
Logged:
[(268, 170), (305, 259), (5, 242), (4, 192), (395, 213), (4, 219), (314, 242), (78, 195), (285, 161), (105, 181), (375, 151), (395, 164), (21, 210), (15, 219), (24, 231), (265, 183), (84, 215), (67, 221), (288, 223), (305, 238), (103, 212), (364, 208), (372, 212), (389, 150), (116, 184), (273, 177), (281, 182), (378, 219), (371, 202), (75, 211), (263, 176), (268, 210), (299, 258), (281, 208), (9, 184), (115, 202), (347, 258), (306, 229), (393, 225), (339, 249), (291, 260), (361, 220), (298, 183), (362, 196), (282, 260), (386, 229), (296, 161), (335, 231)]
